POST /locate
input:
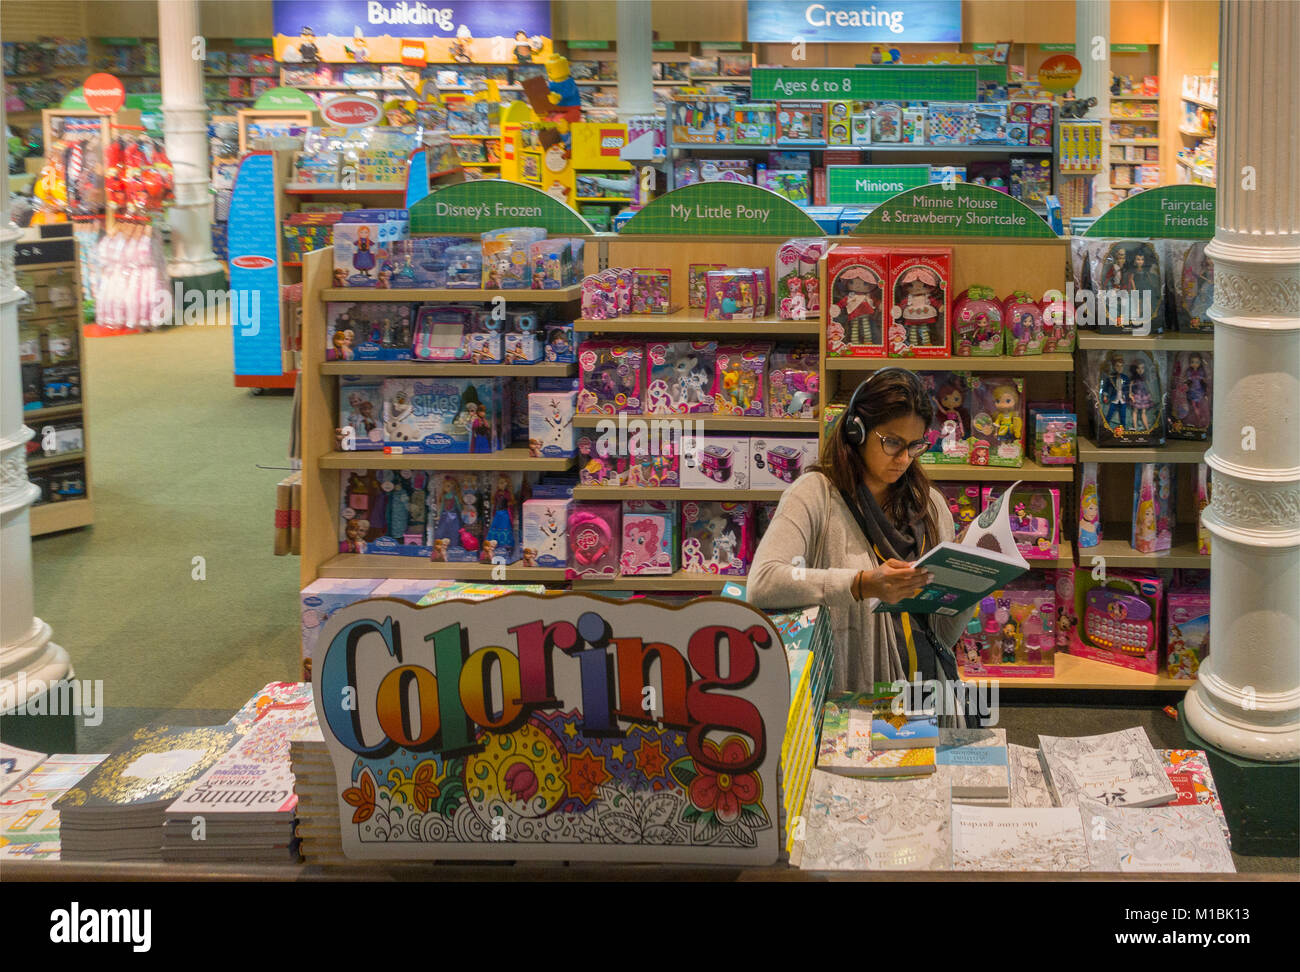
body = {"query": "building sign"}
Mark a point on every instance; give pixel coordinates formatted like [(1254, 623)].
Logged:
[(360, 31), (566, 727), (849, 22)]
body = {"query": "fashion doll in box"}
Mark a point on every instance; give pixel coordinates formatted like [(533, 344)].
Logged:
[(915, 296), (1190, 387), (856, 305), (1140, 400)]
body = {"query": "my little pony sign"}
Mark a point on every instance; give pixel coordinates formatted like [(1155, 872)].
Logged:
[(566, 727)]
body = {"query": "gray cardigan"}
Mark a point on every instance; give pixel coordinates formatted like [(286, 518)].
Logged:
[(810, 554)]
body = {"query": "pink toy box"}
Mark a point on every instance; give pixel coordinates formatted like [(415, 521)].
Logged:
[(649, 538), (731, 295), (920, 289), (1187, 640), (792, 383), (997, 405), (681, 376), (598, 466), (1153, 507), (593, 540), (1119, 619), (964, 502), (778, 462), (798, 288), (716, 537), (609, 376), (741, 371), (857, 304), (1035, 519), (977, 323), (950, 425)]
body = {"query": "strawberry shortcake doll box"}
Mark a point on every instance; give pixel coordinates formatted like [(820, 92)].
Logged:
[(920, 303), (856, 301)]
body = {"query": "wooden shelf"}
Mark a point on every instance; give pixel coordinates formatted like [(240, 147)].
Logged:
[(64, 515), (403, 369), (44, 461), (1135, 141), (337, 191), (1024, 363), (573, 292), (418, 568), (1194, 133), (1029, 472), (752, 423), (1175, 450), (670, 493), (1120, 553), (679, 581), (1085, 673), (514, 458), (693, 321), (1198, 101), (1175, 341), (604, 199), (52, 412), (1134, 97)]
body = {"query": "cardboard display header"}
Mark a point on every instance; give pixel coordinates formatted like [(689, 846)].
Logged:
[(721, 209), (489, 204), (954, 209), (1166, 212), (918, 83)]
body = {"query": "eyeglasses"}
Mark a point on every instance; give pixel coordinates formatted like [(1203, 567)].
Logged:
[(893, 445)]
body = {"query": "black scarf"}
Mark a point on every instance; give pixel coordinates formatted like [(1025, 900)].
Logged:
[(908, 544)]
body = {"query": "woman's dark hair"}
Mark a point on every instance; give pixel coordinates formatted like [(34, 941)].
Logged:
[(888, 396)]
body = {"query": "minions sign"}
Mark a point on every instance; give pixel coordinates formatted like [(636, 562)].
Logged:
[(565, 727)]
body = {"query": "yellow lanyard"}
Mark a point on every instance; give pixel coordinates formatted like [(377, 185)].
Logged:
[(907, 627)]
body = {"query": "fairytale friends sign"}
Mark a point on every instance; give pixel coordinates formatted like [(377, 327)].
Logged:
[(566, 727)]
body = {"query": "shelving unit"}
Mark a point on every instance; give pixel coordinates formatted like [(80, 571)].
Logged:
[(1200, 146), (1035, 363)]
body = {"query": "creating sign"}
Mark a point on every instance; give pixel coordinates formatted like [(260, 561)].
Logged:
[(1167, 212), (850, 22), (565, 727), (870, 185), (721, 209), (957, 209)]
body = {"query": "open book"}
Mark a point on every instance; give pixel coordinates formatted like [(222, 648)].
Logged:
[(984, 561)]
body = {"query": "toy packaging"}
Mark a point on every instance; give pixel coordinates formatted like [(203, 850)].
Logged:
[(360, 247), (379, 331), (1025, 333), (649, 538), (502, 537), (650, 290), (1035, 519), (420, 261), (762, 291), (715, 462), (320, 599), (1130, 288), (1119, 619), (598, 464), (506, 264), (950, 426), (794, 184), (730, 295), (361, 409), (913, 126), (656, 462), (550, 424), (717, 537), (775, 463), (1202, 501), (1189, 283), (696, 290), (610, 377), (700, 117), (753, 124), (457, 515), (857, 278), (594, 531), (598, 301), (1128, 397), (886, 123), (449, 333), (1089, 507), (798, 287), (977, 323), (964, 501), (1191, 384), (682, 377), (545, 532), (523, 337), (1187, 640), (1055, 437), (464, 265), (997, 405), (1031, 180), (444, 415), (741, 371), (384, 512), (1153, 507), (801, 122), (792, 382), (860, 129), (949, 124), (1012, 634), (921, 293), (558, 345), (989, 124)]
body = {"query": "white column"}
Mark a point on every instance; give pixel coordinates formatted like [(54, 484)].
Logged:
[(29, 660), (186, 125), (1092, 34), (635, 90), (1247, 698)]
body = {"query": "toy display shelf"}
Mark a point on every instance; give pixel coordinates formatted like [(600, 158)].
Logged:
[(1030, 472), (1174, 450), (691, 321), (422, 369), (739, 423), (72, 513), (1062, 362), (680, 581), (1120, 553), (674, 493), (559, 295), (1170, 341), (1086, 674), (120, 118), (513, 459), (1132, 97), (1213, 106), (415, 568), (1135, 141), (247, 116)]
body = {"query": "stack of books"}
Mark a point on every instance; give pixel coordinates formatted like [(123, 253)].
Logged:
[(29, 824), (320, 841), (877, 734), (975, 764), (117, 812)]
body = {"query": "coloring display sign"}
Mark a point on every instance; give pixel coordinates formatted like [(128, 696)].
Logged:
[(566, 727)]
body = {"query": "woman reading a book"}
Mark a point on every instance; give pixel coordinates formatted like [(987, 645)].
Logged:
[(846, 533)]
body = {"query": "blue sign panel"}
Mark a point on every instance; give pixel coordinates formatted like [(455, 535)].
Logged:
[(255, 268), (411, 18), (847, 22)]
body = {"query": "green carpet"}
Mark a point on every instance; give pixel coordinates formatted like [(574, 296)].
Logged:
[(174, 450)]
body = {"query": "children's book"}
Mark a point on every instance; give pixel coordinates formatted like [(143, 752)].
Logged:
[(16, 763), (985, 560), (1160, 839), (974, 762), (870, 825), (1189, 771), (1115, 768), (1028, 784), (846, 748), (1016, 839)]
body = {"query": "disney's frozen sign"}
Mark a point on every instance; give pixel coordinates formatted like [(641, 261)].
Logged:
[(906, 21), (566, 727)]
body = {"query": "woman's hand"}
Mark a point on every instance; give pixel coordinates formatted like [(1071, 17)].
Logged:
[(893, 581)]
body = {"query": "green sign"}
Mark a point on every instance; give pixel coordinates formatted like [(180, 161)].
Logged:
[(1129, 48), (1056, 48), (284, 99), (959, 209), (579, 45), (122, 41), (252, 42), (75, 100), (871, 185), (721, 209), (982, 47), (984, 72), (1166, 212), (663, 45), (150, 101), (917, 83), (722, 45), (488, 204)]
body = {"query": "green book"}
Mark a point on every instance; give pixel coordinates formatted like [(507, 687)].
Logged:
[(985, 560)]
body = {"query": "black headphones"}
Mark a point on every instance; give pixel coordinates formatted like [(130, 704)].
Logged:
[(855, 430)]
